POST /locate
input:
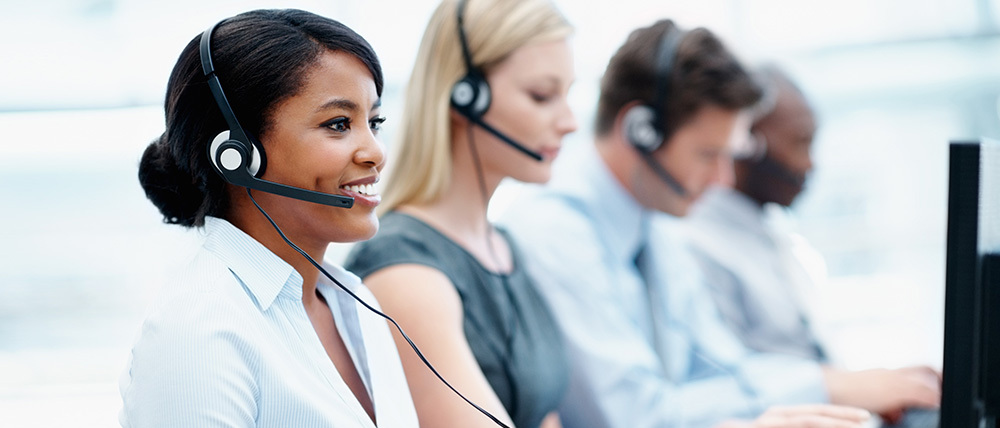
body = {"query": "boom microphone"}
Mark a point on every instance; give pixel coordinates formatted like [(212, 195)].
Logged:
[(230, 158), (503, 137), (771, 166), (663, 175)]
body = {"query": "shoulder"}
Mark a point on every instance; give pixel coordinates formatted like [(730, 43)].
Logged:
[(551, 228), (417, 294), (407, 264), (401, 239), (200, 304), (198, 343), (547, 213)]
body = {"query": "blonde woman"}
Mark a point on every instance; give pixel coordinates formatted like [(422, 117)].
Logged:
[(486, 101)]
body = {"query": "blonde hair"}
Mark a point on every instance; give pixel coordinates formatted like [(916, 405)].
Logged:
[(494, 29)]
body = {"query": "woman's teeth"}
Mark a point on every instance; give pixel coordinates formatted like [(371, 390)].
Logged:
[(364, 189)]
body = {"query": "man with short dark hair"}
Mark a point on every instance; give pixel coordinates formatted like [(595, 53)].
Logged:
[(645, 343)]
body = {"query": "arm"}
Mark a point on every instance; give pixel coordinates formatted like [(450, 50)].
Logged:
[(551, 421), (426, 305), (805, 416), (881, 391), (767, 378), (885, 391)]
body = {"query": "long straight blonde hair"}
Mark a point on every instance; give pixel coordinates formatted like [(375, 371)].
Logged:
[(421, 155)]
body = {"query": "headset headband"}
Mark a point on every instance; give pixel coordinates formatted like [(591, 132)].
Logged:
[(664, 65), (466, 54), (213, 83)]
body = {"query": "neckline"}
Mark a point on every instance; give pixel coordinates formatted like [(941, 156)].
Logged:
[(479, 265)]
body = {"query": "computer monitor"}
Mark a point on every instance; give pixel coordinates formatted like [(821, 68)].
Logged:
[(971, 370)]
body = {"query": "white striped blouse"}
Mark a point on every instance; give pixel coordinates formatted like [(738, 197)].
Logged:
[(228, 344)]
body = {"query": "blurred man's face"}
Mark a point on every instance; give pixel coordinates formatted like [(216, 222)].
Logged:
[(697, 156), (780, 175)]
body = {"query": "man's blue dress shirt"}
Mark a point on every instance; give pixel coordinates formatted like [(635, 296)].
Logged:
[(646, 349)]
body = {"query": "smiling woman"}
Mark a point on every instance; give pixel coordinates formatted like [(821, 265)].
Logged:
[(249, 334), (324, 139)]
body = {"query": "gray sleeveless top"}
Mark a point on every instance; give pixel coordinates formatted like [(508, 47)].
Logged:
[(507, 324)]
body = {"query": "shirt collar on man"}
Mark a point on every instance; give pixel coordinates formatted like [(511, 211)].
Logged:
[(265, 275), (727, 205)]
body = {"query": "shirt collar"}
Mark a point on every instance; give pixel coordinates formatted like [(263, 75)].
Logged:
[(331, 290), (263, 273), (731, 206), (620, 221)]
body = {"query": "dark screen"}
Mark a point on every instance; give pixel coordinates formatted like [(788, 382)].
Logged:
[(972, 287)]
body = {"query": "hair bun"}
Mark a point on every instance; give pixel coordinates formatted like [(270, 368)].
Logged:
[(174, 192)]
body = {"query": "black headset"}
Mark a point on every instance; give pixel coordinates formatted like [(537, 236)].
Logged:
[(471, 95), (229, 152), (238, 156), (644, 124)]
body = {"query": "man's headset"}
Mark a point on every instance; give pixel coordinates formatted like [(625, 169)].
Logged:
[(644, 123), (772, 167), (471, 95), (238, 156)]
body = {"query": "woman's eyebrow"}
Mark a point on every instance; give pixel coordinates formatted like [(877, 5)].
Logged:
[(339, 103)]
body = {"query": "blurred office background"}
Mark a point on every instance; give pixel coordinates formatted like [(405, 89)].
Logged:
[(81, 92)]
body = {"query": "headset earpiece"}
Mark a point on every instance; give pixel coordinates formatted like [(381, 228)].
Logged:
[(471, 95), (230, 158), (239, 157), (640, 129), (643, 124), (257, 162)]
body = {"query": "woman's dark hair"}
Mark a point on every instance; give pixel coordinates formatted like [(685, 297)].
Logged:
[(262, 58), (704, 72)]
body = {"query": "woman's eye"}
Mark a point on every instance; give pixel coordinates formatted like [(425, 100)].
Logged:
[(540, 98), (376, 123), (340, 124)]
